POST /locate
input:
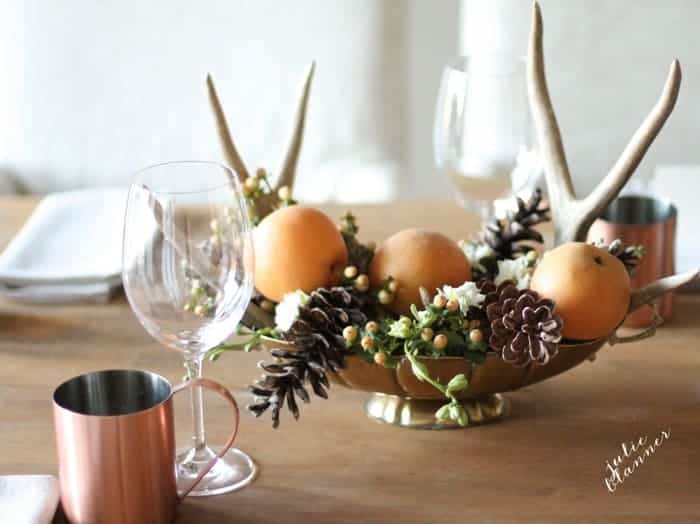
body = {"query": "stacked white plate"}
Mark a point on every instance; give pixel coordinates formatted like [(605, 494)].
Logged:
[(68, 251), (28, 499)]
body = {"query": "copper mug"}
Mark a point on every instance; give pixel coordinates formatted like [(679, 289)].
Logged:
[(650, 222), (116, 446)]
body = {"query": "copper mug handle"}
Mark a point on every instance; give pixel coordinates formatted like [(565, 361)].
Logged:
[(221, 390)]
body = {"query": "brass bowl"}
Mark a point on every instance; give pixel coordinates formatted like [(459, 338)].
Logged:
[(399, 398), (493, 376)]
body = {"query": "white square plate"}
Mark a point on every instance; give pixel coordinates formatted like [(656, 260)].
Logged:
[(71, 238)]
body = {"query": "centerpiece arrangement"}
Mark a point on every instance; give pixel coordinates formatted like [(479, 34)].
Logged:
[(437, 330)]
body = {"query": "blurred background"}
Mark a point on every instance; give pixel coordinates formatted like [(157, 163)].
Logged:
[(92, 91)]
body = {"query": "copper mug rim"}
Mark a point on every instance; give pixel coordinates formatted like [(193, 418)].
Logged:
[(63, 390), (639, 211)]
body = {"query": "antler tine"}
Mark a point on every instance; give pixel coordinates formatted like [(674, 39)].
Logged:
[(654, 290), (561, 191), (288, 168), (230, 151), (594, 204)]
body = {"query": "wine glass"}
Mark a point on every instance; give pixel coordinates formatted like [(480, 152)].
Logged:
[(188, 275), (482, 135)]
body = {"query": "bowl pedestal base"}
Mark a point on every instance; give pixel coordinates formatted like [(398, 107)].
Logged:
[(420, 414)]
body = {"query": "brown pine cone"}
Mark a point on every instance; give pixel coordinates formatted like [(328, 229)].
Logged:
[(630, 256), (319, 347), (524, 327), (506, 235)]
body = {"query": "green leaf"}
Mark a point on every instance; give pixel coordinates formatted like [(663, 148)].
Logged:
[(462, 418), (443, 414), (458, 383), (458, 414)]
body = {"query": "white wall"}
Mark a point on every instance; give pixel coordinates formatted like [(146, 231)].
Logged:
[(91, 91), (607, 61)]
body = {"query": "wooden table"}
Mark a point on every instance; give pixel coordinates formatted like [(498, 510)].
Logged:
[(545, 463)]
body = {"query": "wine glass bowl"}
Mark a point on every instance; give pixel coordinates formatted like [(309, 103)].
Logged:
[(482, 135), (188, 276)]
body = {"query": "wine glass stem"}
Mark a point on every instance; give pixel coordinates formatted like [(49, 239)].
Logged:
[(193, 365)]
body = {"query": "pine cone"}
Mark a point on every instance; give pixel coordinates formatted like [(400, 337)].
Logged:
[(524, 326), (504, 235), (630, 256), (319, 346)]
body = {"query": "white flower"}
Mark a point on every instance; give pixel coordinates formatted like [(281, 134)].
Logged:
[(466, 295), (475, 251), (425, 318), (399, 330), (287, 311), (517, 270)]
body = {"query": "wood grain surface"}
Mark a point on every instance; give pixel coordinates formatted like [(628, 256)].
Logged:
[(544, 464)]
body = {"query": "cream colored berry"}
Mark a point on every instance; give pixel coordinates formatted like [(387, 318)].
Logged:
[(440, 342), (476, 336), (452, 306), (350, 272), (440, 301), (371, 327), (385, 297), (367, 343), (284, 193), (350, 334), (200, 310), (427, 334), (393, 286), (251, 184), (362, 283), (380, 358)]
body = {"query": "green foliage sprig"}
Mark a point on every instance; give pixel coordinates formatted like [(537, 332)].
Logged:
[(434, 331), (453, 410), (256, 338)]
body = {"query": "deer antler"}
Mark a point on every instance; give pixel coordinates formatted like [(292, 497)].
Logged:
[(266, 203), (230, 151), (289, 163), (573, 217)]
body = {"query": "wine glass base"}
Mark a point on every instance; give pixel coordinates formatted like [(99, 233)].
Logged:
[(231, 472)]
